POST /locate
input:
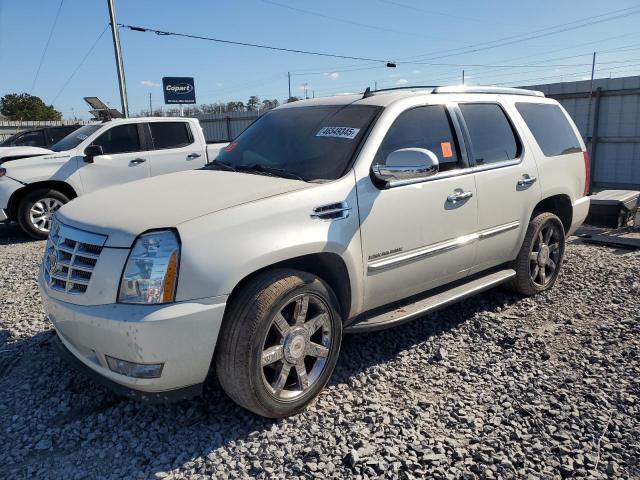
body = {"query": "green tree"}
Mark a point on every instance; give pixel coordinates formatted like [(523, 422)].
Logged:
[(253, 103), (269, 104), (27, 107)]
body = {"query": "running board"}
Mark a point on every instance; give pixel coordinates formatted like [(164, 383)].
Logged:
[(433, 302)]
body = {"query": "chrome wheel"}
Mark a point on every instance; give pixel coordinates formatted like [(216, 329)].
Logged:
[(545, 256), (296, 347), (41, 213)]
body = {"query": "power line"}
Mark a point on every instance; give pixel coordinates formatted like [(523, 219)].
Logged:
[(344, 20), (443, 14), (347, 68), (246, 44), (95, 43), (544, 32), (46, 47)]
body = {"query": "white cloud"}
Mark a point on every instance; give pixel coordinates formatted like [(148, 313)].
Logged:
[(332, 76), (416, 72), (149, 83), (395, 75), (402, 81)]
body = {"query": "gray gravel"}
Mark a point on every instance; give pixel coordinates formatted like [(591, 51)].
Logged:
[(496, 387)]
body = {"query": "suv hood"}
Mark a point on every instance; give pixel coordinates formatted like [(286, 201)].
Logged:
[(22, 152), (124, 211)]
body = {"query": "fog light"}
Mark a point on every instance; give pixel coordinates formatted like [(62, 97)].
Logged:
[(135, 370)]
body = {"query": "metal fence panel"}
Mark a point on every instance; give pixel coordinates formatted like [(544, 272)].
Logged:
[(613, 133)]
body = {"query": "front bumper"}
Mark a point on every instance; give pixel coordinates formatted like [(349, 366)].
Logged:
[(182, 336), (8, 187)]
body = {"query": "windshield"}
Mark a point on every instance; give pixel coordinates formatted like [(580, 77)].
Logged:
[(313, 143), (75, 138)]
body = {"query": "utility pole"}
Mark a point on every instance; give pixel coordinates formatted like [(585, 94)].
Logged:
[(305, 90), (150, 106), (289, 77), (586, 128), (463, 76), (375, 85), (119, 65)]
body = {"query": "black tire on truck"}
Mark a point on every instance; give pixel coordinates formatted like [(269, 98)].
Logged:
[(36, 209), (540, 258), (279, 342)]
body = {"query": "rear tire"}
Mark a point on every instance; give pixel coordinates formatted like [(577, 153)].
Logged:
[(279, 343), (36, 209), (540, 258)]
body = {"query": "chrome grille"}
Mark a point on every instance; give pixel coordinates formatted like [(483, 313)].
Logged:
[(70, 257)]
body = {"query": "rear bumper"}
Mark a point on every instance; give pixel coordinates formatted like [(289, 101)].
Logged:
[(182, 336), (580, 212)]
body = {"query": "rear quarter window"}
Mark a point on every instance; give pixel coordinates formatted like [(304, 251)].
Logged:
[(550, 128), (170, 135), (492, 137)]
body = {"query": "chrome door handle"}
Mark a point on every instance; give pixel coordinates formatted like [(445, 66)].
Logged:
[(191, 156), (526, 180), (458, 195), (137, 161)]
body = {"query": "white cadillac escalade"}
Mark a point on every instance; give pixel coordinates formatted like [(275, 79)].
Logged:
[(327, 216)]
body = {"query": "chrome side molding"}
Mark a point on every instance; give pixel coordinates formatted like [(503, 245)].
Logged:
[(437, 248)]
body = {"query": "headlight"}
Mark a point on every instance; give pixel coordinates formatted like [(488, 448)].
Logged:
[(151, 272)]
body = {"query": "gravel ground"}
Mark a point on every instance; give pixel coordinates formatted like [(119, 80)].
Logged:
[(498, 386)]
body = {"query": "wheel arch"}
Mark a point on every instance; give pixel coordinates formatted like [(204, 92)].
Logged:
[(19, 194), (328, 266), (560, 205)]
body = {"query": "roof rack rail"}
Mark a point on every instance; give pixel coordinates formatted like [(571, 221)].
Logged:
[(413, 87), (495, 90)]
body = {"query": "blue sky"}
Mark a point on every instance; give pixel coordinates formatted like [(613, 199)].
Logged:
[(409, 30)]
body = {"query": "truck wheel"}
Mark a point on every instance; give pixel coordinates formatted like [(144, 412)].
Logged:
[(538, 263), (35, 211), (279, 343)]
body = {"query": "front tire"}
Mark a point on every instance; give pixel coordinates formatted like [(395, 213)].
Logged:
[(279, 343), (36, 210), (540, 258)]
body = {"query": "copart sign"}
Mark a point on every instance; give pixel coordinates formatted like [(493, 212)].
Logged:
[(179, 90)]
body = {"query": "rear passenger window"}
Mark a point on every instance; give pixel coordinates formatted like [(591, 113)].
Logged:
[(550, 128), (170, 135), (492, 137), (422, 127)]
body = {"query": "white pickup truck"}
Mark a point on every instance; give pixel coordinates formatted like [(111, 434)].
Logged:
[(96, 156)]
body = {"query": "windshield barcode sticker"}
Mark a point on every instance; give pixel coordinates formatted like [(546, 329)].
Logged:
[(338, 132)]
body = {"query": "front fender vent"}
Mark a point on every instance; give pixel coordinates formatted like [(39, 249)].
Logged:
[(332, 211)]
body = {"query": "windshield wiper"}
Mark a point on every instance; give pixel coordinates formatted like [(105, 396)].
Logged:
[(277, 172), (220, 166)]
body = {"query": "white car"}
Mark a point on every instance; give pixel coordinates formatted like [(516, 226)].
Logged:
[(97, 156), (325, 216)]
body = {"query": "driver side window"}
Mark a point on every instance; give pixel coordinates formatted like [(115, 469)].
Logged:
[(426, 127), (120, 139)]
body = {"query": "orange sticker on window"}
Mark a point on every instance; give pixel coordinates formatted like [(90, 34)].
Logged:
[(446, 149)]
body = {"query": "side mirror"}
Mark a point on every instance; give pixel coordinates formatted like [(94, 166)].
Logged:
[(92, 151), (406, 164)]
